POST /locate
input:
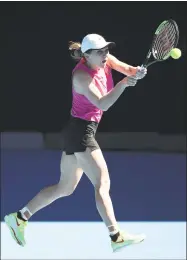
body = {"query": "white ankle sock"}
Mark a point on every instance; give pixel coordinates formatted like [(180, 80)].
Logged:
[(114, 232), (25, 209)]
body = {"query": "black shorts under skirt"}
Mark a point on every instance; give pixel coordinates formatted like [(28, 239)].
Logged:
[(79, 134)]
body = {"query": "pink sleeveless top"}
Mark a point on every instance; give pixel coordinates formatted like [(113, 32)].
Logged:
[(81, 106)]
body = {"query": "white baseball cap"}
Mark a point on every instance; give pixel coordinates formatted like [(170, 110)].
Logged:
[(94, 42)]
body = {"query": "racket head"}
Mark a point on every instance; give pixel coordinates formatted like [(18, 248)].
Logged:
[(165, 39)]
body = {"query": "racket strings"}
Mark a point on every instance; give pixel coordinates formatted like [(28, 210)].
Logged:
[(165, 41)]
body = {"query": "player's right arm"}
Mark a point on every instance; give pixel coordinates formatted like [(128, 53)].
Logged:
[(83, 84)]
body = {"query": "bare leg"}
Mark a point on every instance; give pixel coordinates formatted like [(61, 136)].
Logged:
[(94, 166), (70, 177)]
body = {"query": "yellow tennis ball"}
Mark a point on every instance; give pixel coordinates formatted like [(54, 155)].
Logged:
[(175, 53)]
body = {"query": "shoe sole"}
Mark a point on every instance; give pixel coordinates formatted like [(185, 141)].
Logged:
[(11, 224)]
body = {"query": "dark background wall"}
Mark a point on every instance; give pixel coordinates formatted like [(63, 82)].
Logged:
[(36, 74)]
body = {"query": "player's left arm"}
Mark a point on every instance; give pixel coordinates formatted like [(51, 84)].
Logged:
[(124, 68)]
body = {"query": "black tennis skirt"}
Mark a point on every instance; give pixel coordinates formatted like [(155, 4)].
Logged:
[(79, 134)]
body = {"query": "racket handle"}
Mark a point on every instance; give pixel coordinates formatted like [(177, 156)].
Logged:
[(143, 66)]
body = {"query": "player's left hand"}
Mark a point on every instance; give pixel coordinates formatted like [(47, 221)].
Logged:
[(141, 72)]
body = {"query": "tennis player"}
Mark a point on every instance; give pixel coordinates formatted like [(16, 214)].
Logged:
[(93, 92)]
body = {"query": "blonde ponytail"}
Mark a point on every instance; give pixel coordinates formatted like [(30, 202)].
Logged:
[(75, 50)]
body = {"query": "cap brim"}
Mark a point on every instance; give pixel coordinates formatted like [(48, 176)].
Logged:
[(108, 44), (111, 44)]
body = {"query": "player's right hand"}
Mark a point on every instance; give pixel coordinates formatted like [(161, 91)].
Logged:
[(141, 72), (129, 81)]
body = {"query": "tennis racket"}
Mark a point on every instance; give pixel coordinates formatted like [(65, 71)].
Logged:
[(164, 40)]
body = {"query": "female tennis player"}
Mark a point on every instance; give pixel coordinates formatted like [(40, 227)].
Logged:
[(93, 92)]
